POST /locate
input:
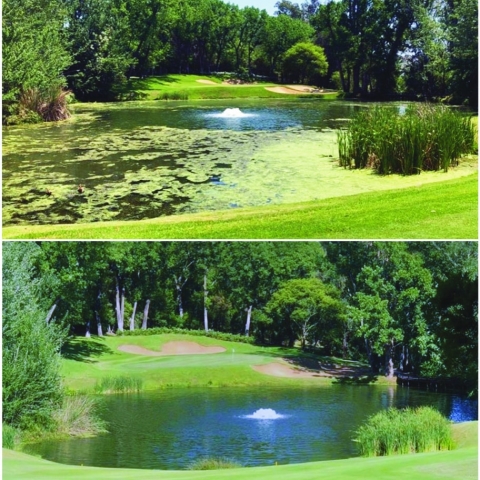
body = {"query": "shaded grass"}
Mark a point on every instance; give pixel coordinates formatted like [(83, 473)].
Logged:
[(395, 431), (430, 211), (459, 464)]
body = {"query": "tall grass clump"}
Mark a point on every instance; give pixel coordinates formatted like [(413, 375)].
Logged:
[(212, 463), (120, 384), (396, 431), (424, 137), (50, 104), (10, 436), (78, 417), (173, 96)]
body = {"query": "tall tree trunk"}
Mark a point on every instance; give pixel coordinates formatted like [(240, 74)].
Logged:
[(389, 370), (247, 325), (87, 332), (205, 298), (122, 307), (50, 312), (99, 324), (117, 308), (132, 318), (145, 315)]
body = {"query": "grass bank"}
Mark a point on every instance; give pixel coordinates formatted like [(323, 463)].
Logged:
[(459, 464), (443, 209)]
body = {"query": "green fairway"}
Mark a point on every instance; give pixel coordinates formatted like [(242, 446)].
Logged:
[(459, 464), (429, 211)]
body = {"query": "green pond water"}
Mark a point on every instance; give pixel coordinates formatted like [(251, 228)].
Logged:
[(149, 159), (169, 429), (140, 160)]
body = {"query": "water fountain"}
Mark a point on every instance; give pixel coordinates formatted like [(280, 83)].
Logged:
[(232, 113), (265, 414)]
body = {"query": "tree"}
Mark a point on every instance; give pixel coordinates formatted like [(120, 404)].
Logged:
[(306, 309), (305, 63), (31, 385), (98, 35)]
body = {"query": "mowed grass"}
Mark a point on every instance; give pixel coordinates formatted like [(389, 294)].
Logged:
[(444, 209), (88, 361), (188, 87), (459, 464)]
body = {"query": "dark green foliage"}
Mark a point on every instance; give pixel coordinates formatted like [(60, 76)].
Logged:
[(424, 137), (305, 63), (173, 96), (396, 431), (229, 337), (9, 436)]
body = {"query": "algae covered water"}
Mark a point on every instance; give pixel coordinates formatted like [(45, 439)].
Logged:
[(150, 159), (170, 429)]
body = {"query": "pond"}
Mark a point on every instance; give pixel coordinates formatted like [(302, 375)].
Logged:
[(139, 160), (169, 429)]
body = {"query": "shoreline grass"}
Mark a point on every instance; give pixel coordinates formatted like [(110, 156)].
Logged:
[(458, 464), (442, 209), (403, 431)]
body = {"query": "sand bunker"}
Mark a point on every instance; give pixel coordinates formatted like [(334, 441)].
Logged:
[(207, 82), (295, 90), (281, 370), (286, 90), (172, 348)]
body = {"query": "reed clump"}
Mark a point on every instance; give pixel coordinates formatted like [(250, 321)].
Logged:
[(78, 417), (212, 463), (422, 138), (122, 384), (395, 431), (51, 104)]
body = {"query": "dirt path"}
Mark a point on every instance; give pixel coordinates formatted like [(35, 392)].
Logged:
[(172, 348)]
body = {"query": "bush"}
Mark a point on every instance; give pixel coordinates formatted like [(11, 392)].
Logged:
[(424, 137), (229, 337), (31, 385), (211, 463), (173, 96), (396, 431)]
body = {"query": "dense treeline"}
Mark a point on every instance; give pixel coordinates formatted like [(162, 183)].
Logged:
[(409, 307), (422, 47)]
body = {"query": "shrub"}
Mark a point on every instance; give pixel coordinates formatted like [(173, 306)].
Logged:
[(396, 431), (121, 384), (50, 104), (212, 463), (229, 337), (424, 137)]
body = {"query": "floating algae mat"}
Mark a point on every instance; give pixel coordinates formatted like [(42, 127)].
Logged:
[(138, 161)]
